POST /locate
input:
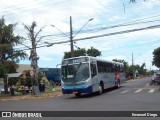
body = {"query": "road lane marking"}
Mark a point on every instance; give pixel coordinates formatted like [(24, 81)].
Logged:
[(111, 92), (125, 91), (151, 91), (139, 90)]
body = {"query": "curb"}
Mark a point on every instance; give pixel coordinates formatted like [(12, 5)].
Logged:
[(29, 97)]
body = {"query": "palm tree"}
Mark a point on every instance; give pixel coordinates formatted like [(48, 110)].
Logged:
[(8, 56), (34, 39)]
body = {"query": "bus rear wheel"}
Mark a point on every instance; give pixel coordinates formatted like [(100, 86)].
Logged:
[(118, 84), (78, 94), (100, 89)]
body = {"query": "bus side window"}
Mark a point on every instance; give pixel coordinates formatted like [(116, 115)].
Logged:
[(93, 70), (109, 67), (113, 68), (121, 69), (105, 67), (117, 68)]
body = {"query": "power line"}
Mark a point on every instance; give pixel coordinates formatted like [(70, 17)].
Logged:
[(114, 26), (91, 37), (120, 25), (98, 13), (121, 32), (34, 7), (109, 34)]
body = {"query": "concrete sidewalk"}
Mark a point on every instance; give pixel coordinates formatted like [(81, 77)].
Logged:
[(28, 97)]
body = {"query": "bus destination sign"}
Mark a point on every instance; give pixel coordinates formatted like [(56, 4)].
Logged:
[(75, 60)]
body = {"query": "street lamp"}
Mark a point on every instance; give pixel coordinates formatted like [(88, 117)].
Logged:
[(83, 26), (71, 34), (59, 30)]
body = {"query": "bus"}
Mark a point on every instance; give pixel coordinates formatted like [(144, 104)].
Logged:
[(86, 74)]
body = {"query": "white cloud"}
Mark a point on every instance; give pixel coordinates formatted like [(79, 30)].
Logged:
[(105, 13), (45, 58)]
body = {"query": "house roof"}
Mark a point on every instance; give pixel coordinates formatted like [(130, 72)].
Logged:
[(11, 75), (23, 67)]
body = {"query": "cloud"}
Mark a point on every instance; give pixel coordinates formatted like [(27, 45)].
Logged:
[(46, 58), (105, 13)]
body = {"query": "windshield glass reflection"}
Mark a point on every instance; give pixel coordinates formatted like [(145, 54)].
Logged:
[(75, 72)]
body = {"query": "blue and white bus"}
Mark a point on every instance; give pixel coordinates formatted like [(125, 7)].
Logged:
[(87, 74)]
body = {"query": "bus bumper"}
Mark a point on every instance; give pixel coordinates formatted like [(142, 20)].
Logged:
[(77, 90)]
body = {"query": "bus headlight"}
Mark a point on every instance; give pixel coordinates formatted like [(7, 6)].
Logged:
[(86, 84)]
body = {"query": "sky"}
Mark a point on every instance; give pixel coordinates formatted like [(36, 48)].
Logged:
[(110, 18)]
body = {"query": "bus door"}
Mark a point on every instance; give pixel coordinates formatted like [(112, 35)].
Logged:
[(93, 69), (94, 77)]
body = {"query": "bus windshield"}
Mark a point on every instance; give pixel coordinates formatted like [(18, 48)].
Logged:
[(75, 72)]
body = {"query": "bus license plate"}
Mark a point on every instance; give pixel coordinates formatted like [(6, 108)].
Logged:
[(75, 92)]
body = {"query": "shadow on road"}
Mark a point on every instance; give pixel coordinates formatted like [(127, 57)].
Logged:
[(95, 94)]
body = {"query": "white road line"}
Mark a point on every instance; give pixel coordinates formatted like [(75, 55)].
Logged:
[(112, 92), (151, 91), (139, 90), (125, 91)]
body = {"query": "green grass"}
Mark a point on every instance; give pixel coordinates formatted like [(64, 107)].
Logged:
[(57, 89), (16, 94)]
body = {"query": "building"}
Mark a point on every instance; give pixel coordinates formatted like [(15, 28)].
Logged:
[(52, 74), (23, 67)]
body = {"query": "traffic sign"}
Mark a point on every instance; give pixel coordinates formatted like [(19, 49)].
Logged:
[(31, 73)]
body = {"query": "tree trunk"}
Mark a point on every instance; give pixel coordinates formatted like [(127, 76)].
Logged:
[(5, 85)]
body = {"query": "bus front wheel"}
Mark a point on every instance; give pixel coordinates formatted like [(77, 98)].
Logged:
[(78, 94)]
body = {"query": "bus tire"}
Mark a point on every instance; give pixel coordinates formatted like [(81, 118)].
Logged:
[(118, 84), (78, 94), (100, 89)]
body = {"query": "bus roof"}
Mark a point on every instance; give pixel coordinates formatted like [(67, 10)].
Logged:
[(96, 58)]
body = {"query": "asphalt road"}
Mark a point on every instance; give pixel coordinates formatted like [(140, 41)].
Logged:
[(135, 95)]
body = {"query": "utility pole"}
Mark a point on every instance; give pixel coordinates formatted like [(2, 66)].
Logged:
[(71, 38), (71, 35), (132, 66)]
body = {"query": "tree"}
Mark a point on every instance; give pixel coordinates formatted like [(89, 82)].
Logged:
[(83, 52), (140, 69), (93, 52), (133, 1), (156, 57), (8, 57), (143, 70), (129, 69), (34, 39), (2, 71), (126, 66)]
